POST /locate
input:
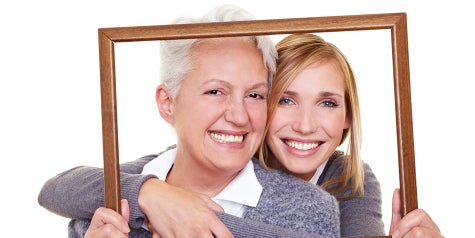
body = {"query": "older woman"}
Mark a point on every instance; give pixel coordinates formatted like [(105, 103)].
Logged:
[(213, 93)]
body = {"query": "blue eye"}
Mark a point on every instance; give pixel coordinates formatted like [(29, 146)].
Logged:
[(329, 104), (286, 101)]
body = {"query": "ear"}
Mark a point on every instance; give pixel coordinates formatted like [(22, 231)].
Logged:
[(165, 103)]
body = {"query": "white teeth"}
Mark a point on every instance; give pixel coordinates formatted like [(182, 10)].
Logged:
[(301, 146), (221, 138)]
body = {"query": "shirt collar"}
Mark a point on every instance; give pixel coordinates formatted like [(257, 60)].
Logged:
[(161, 165), (244, 189), (319, 172)]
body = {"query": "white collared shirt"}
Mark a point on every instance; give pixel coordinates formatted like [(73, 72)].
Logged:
[(319, 172), (245, 189)]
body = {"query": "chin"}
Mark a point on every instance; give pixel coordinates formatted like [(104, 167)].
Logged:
[(300, 168)]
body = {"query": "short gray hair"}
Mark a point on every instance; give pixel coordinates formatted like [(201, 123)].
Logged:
[(175, 54)]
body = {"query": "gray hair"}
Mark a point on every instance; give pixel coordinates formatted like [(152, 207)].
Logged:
[(175, 54)]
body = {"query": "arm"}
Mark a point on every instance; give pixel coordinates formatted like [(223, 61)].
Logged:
[(246, 228), (184, 207), (78, 192)]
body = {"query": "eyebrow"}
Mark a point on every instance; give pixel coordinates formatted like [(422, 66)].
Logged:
[(321, 94)]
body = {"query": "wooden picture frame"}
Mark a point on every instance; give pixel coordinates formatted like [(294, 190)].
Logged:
[(396, 22)]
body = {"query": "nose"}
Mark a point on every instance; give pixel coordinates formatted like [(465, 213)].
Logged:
[(237, 112), (305, 121)]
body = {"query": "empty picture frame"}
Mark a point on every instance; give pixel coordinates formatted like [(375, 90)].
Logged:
[(395, 22)]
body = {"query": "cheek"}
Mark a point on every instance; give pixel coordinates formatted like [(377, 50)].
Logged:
[(335, 125), (280, 119), (258, 116), (199, 114)]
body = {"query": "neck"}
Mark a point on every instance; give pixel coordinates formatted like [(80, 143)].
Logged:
[(191, 175)]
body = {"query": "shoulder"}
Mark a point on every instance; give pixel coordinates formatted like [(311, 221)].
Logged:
[(335, 166), (334, 169)]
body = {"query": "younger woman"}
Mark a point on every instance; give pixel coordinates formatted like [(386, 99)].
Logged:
[(313, 108)]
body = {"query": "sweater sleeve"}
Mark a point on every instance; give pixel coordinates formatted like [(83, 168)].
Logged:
[(245, 228), (78, 192), (360, 216)]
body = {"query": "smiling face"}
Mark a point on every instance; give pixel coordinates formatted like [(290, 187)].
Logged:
[(219, 113), (309, 120)]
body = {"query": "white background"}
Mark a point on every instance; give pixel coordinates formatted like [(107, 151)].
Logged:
[(50, 97)]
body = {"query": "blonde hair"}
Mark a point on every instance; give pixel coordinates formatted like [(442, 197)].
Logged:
[(295, 53)]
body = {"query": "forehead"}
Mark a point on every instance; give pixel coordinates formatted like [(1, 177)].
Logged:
[(235, 59), (226, 52), (321, 75)]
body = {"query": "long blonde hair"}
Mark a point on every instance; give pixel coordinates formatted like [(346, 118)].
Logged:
[(295, 53)]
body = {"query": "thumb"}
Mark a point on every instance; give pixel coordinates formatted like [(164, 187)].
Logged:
[(396, 211), (125, 210), (213, 205)]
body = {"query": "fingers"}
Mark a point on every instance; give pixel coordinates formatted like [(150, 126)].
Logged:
[(211, 228), (108, 223), (104, 216), (220, 230), (197, 233), (212, 204), (416, 223), (420, 232), (105, 231)]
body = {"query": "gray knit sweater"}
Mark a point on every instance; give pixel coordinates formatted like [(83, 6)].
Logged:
[(286, 202), (360, 216)]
